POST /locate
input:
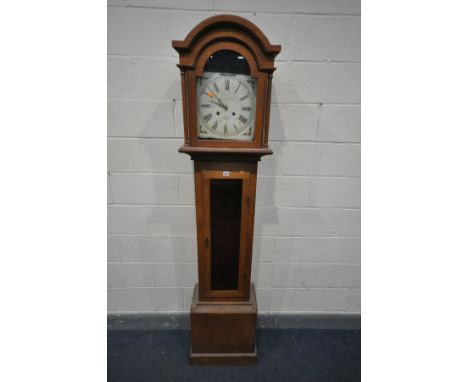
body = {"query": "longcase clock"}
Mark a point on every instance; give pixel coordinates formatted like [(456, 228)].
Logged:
[(226, 66)]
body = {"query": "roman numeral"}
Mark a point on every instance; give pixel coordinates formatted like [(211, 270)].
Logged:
[(244, 97), (242, 119), (226, 84), (235, 127), (245, 108), (207, 117), (215, 125), (225, 129), (238, 86), (216, 87), (207, 105)]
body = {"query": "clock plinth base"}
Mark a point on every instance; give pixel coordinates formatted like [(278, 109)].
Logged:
[(223, 359), (223, 332)]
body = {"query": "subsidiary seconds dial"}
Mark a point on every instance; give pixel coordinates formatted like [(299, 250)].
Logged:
[(226, 106)]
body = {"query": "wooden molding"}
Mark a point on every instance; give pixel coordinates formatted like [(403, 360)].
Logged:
[(226, 21)]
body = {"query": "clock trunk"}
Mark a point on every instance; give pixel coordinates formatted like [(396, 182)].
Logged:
[(225, 207)]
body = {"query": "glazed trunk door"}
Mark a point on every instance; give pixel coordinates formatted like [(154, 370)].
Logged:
[(225, 229)]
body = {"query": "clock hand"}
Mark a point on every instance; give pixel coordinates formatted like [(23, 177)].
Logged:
[(219, 104), (218, 99)]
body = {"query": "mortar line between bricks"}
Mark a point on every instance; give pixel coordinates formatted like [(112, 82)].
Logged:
[(266, 312), (271, 140), (321, 61), (150, 173), (291, 61), (309, 176), (323, 104), (313, 237), (276, 207), (144, 99), (306, 288), (216, 11), (259, 176), (154, 287), (256, 236), (254, 262), (266, 287)]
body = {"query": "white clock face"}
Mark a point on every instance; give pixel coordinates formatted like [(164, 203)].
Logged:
[(226, 106)]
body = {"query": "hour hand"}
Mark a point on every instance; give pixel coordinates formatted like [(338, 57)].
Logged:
[(219, 104)]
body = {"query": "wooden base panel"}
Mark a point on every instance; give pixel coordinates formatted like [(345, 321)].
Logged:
[(223, 359), (223, 333)]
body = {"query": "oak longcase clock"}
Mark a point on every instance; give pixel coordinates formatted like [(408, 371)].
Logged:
[(226, 66)]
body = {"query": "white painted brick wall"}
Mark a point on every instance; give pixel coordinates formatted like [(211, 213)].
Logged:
[(132, 219), (140, 118), (306, 255), (144, 189)]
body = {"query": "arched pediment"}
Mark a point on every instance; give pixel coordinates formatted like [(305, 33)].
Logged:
[(229, 23)]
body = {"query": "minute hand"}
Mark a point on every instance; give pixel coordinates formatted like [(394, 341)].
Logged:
[(219, 104)]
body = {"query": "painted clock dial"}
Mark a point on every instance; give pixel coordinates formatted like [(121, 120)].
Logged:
[(226, 101)]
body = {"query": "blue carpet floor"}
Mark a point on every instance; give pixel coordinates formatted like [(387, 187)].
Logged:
[(284, 355)]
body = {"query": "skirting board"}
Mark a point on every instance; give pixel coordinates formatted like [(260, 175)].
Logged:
[(181, 321)]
